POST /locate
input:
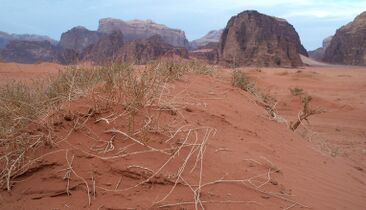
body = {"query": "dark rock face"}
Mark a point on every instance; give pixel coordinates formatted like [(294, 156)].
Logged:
[(140, 29), (105, 50), (211, 37), (210, 56), (208, 53), (251, 38), (67, 56), (348, 45), (37, 51), (318, 54), (5, 38), (79, 38), (28, 51), (144, 50)]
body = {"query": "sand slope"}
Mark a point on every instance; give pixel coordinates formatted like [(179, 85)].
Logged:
[(248, 160)]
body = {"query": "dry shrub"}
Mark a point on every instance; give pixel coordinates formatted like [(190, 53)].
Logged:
[(242, 81), (18, 105), (296, 91), (24, 103), (174, 68), (305, 112)]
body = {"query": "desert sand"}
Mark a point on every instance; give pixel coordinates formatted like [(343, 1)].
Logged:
[(229, 150)]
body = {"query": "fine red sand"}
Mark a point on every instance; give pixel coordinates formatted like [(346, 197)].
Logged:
[(26, 72), (248, 162)]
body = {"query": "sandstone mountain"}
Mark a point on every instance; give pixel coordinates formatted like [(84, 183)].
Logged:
[(28, 51), (105, 49), (140, 29), (79, 38), (348, 45), (5, 38), (144, 50), (318, 54), (37, 51), (212, 37), (252, 38)]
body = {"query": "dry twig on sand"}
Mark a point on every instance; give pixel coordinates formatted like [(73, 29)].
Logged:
[(306, 112)]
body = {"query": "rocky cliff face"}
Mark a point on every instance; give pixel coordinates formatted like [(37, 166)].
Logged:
[(79, 38), (210, 56), (251, 38), (105, 50), (28, 51), (37, 51), (348, 45), (318, 54), (212, 37), (5, 38), (144, 50), (139, 29)]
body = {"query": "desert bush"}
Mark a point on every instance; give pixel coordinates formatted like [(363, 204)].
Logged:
[(296, 91), (21, 103), (174, 68), (200, 67), (242, 81), (18, 105)]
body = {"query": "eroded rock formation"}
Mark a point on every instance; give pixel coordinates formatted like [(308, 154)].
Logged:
[(348, 45), (254, 39)]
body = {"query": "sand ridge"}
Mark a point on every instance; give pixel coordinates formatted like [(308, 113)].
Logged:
[(249, 161)]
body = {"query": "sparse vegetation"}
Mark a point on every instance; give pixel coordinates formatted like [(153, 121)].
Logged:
[(296, 91), (175, 68), (24, 104), (305, 112), (242, 81)]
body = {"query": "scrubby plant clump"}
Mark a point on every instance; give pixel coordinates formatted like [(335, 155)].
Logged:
[(242, 81)]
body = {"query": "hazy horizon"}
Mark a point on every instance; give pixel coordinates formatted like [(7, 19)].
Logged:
[(313, 20)]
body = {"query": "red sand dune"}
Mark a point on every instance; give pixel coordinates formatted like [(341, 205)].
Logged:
[(228, 149)]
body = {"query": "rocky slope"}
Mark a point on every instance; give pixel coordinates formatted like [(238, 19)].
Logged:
[(211, 37), (318, 54), (79, 38), (105, 49), (252, 38), (143, 50), (140, 29), (5, 38), (348, 45)]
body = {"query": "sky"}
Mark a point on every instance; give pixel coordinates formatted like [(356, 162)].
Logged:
[(314, 20)]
